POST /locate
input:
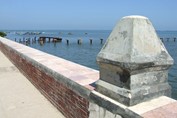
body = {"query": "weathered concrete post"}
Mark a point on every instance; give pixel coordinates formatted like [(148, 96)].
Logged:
[(133, 63)]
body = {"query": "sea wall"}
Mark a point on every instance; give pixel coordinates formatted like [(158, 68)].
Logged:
[(65, 84), (68, 96), (127, 85)]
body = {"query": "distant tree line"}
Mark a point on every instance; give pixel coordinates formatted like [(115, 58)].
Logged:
[(2, 34)]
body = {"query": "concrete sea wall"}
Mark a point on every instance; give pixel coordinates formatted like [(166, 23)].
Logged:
[(68, 96), (63, 83)]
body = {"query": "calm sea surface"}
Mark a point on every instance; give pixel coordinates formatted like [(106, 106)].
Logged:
[(85, 53)]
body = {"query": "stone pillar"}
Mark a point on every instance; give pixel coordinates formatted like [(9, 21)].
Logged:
[(133, 63)]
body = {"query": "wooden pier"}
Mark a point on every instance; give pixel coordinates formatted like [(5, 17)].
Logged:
[(54, 39), (43, 39), (168, 39)]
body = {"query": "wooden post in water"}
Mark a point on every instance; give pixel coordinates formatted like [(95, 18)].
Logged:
[(101, 41), (29, 41), (79, 41), (34, 40), (44, 39), (161, 39), (25, 40), (49, 39), (174, 39), (91, 41), (20, 40), (67, 41), (54, 40), (15, 39)]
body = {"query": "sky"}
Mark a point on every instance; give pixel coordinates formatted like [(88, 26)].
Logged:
[(83, 14)]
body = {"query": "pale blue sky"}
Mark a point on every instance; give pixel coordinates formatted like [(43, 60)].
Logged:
[(84, 14)]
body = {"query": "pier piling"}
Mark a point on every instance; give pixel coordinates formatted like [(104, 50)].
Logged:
[(19, 40), (101, 41), (49, 39), (79, 41), (161, 39), (54, 40), (91, 41), (67, 41)]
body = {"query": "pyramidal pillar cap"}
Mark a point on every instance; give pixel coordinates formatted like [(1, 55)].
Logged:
[(134, 44), (135, 16), (133, 63)]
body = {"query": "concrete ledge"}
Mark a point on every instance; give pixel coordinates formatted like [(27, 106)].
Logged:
[(166, 111), (152, 104), (156, 108)]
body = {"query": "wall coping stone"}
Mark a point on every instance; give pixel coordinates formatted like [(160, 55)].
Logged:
[(144, 109)]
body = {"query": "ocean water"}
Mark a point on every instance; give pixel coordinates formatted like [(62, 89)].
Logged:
[(85, 54)]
